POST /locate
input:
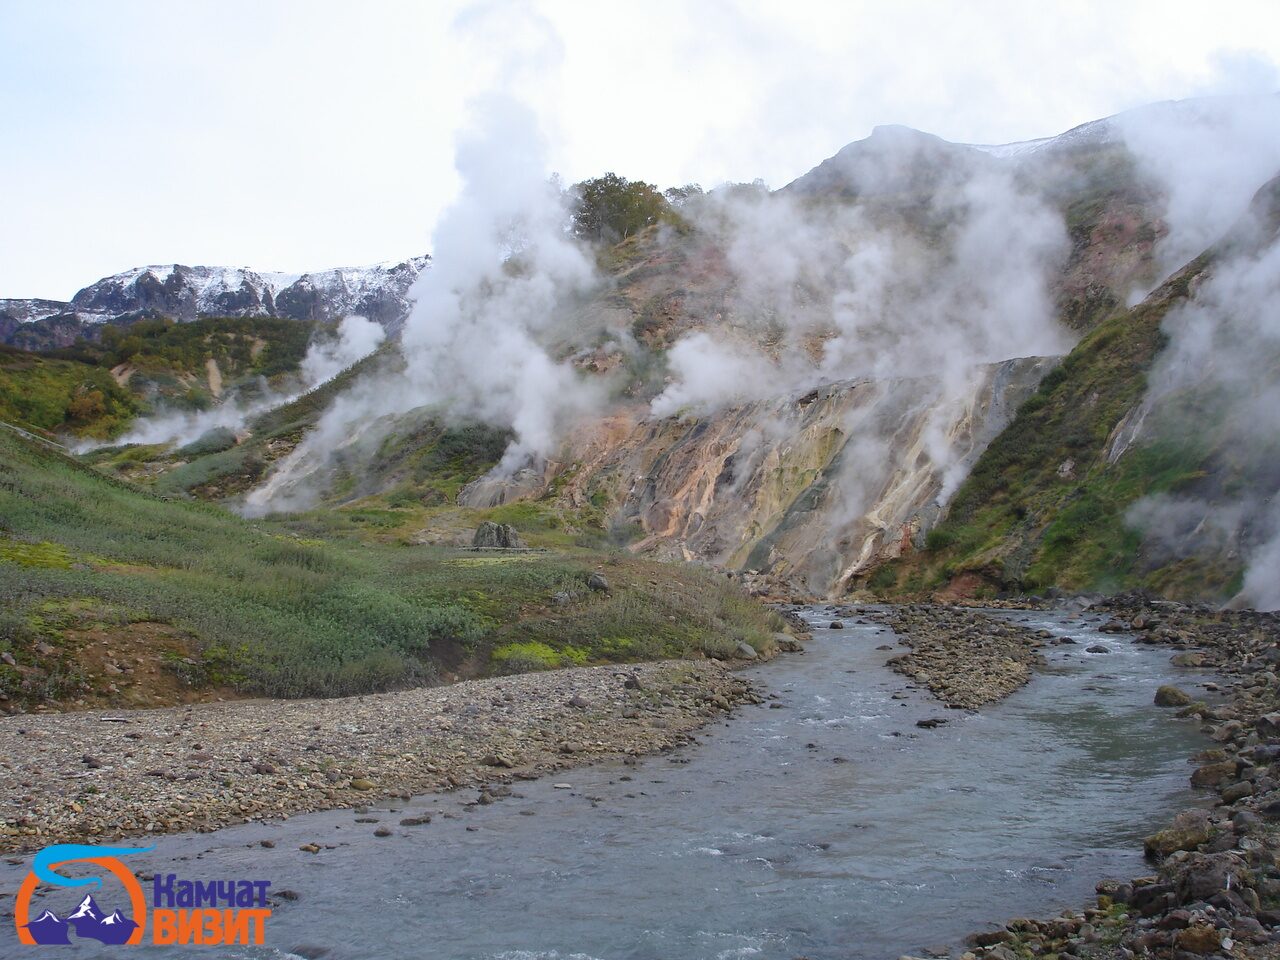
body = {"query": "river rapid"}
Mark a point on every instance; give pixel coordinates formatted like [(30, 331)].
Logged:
[(821, 824)]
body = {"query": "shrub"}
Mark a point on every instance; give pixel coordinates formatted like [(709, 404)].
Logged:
[(211, 441)]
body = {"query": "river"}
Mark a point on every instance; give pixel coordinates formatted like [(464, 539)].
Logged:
[(822, 824)]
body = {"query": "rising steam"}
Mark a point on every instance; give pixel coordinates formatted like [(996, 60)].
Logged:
[(325, 358), (840, 291), (1219, 373), (503, 270)]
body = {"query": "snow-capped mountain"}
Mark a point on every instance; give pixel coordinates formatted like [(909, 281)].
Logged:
[(379, 292)]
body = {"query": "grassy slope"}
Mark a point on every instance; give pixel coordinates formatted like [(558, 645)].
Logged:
[(317, 605), (50, 395), (1043, 508), (72, 390)]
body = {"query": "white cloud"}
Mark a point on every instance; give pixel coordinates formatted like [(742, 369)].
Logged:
[(300, 134)]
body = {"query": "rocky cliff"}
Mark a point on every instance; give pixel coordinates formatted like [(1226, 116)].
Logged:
[(810, 490)]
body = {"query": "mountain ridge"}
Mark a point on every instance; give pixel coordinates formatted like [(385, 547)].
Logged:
[(184, 293)]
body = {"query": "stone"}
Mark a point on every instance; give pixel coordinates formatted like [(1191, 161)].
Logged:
[(1171, 696), (1188, 830), (1268, 726), (1097, 648), (1212, 774), (597, 582), (382, 832), (1203, 875), (492, 535), (1118, 891), (1187, 659), (415, 821), (1237, 791), (837, 624), (1153, 898), (310, 848), (497, 760), (360, 783), (990, 938), (1199, 939), (745, 651), (787, 643)]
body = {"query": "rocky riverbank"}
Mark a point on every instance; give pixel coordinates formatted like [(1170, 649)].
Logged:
[(101, 776), (965, 658), (1214, 889)]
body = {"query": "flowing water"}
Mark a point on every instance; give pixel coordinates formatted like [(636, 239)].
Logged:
[(822, 824)]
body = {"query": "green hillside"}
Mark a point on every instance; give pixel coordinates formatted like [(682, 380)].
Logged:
[(329, 604), (1045, 506)]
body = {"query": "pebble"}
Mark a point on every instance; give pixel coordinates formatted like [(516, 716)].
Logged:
[(202, 767)]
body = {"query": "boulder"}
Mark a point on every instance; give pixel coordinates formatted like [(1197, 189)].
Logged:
[(1187, 660), (497, 536), (787, 643), (597, 582), (1237, 792), (1188, 830), (1212, 774), (1201, 876), (1116, 891), (1200, 939), (1268, 726), (744, 651), (1171, 696)]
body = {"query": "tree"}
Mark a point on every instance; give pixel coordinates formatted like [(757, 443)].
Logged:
[(88, 404), (679, 196), (611, 208)]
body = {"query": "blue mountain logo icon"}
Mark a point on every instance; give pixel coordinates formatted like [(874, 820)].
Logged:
[(88, 920)]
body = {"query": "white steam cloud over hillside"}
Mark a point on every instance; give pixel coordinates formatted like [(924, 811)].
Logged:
[(326, 357), (840, 292), (1209, 155), (853, 298), (1224, 355), (503, 267)]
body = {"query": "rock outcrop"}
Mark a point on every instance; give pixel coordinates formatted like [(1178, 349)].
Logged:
[(812, 490), (492, 535)]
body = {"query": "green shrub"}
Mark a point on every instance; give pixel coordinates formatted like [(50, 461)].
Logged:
[(211, 441)]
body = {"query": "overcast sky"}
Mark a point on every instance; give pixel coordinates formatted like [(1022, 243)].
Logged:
[(303, 134)]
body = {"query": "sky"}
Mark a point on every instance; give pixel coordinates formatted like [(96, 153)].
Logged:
[(303, 134)]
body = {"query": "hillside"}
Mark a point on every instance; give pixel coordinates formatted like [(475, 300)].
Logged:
[(1053, 502), (905, 371), (96, 388), (114, 596)]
